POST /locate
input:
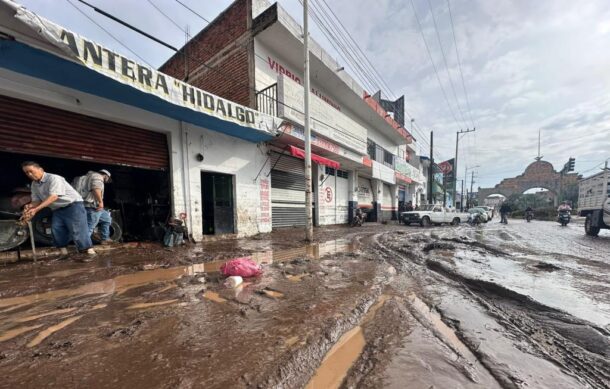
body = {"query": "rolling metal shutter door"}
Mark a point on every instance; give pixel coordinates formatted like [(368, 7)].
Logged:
[(287, 191), (31, 128)]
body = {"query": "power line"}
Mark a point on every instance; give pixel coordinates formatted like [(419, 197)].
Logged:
[(193, 11), (376, 74), (166, 17), (433, 65), (159, 41), (440, 44), (108, 32), (457, 54)]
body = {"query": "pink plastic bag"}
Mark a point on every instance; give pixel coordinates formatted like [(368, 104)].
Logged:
[(243, 267)]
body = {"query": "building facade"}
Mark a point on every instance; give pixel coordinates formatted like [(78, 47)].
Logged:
[(362, 154)]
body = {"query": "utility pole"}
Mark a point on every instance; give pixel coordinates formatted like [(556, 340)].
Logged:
[(471, 181), (307, 88), (455, 162), (431, 169), (462, 198)]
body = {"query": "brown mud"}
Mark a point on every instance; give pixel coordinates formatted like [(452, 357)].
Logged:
[(377, 306)]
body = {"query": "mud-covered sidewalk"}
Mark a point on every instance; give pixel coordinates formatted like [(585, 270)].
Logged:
[(377, 306)]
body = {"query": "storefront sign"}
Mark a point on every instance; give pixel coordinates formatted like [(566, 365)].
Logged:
[(265, 215), (325, 120), (322, 143), (142, 77), (407, 170)]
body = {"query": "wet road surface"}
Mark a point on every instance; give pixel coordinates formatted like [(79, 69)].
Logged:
[(521, 305)]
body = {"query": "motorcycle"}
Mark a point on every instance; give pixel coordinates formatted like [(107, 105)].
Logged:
[(563, 218), (529, 215), (358, 218)]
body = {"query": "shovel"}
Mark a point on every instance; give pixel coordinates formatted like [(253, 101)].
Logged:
[(32, 240)]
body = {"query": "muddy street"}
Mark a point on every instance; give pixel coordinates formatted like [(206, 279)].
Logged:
[(507, 306)]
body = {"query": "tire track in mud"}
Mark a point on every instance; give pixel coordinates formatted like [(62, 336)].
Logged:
[(579, 348)]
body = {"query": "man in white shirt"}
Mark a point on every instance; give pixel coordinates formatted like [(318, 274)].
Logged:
[(69, 221)]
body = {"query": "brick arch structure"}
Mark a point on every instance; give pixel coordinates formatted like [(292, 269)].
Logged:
[(539, 174)]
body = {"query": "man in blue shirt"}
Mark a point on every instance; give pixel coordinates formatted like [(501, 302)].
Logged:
[(69, 216)]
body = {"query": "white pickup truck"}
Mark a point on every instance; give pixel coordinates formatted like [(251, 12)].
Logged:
[(427, 215), (594, 202)]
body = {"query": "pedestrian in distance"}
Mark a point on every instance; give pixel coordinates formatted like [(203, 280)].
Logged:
[(69, 222), (505, 209), (91, 188)]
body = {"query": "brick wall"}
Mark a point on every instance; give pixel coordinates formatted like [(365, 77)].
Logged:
[(219, 59)]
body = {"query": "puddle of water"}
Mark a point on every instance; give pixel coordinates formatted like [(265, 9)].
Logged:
[(555, 289), (213, 296), (51, 330), (338, 360), (34, 317), (10, 334), (148, 305), (447, 333)]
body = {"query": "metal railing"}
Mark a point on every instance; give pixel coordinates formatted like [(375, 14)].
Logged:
[(266, 100)]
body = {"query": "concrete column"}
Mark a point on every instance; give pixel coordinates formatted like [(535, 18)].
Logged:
[(394, 189), (315, 175), (377, 187), (352, 182)]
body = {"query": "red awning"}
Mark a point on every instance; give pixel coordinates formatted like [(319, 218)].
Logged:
[(296, 152)]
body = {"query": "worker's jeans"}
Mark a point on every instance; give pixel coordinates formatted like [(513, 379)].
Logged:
[(101, 219), (70, 224)]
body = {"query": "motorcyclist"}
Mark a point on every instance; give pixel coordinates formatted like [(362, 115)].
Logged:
[(564, 207)]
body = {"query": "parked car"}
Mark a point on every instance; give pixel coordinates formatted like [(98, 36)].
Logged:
[(430, 214), (481, 211), (489, 210)]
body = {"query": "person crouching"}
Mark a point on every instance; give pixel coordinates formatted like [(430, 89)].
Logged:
[(69, 222)]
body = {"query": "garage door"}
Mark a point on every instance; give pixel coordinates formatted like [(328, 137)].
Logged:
[(287, 191), (333, 198), (37, 129)]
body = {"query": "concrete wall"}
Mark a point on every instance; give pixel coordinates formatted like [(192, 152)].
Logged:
[(236, 157)]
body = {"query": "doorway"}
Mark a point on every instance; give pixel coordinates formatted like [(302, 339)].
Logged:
[(217, 200)]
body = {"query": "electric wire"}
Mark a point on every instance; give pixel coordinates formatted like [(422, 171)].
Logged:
[(421, 31), (166, 16), (337, 32), (440, 44), (457, 54), (108, 32), (193, 11)]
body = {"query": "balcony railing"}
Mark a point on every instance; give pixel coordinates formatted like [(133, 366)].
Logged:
[(266, 100)]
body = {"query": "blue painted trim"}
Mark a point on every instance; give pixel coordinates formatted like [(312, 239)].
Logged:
[(21, 58)]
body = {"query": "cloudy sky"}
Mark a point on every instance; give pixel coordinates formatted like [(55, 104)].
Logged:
[(527, 65)]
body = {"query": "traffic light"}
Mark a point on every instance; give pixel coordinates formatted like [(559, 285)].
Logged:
[(571, 163)]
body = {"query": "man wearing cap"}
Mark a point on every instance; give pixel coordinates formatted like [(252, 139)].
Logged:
[(69, 221), (91, 188)]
